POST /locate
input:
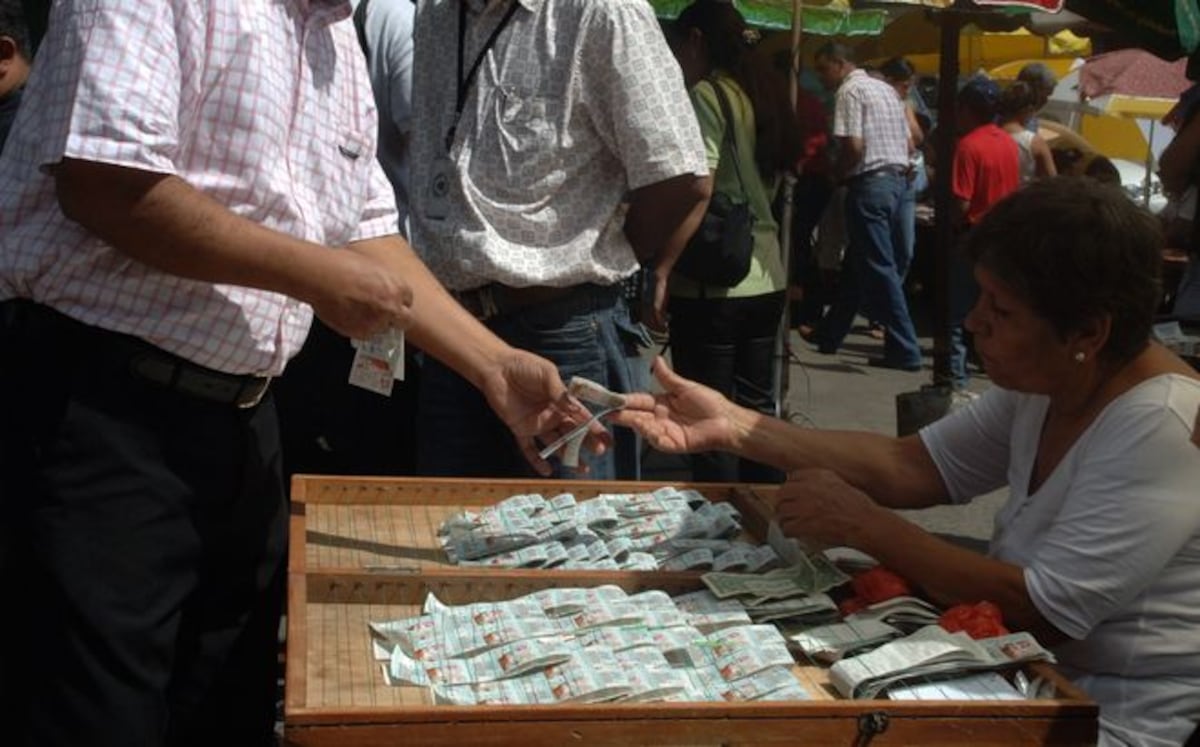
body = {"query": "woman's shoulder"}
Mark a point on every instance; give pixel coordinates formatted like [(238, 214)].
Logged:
[(1023, 136), (1173, 390), (1168, 399)]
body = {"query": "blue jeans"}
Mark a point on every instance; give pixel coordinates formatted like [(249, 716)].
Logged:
[(907, 240), (587, 333), (964, 291), (870, 278), (729, 345)]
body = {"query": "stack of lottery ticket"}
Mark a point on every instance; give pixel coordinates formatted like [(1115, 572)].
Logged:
[(378, 362), (583, 646), (981, 686), (705, 611), (666, 529), (731, 556), (740, 651), (930, 652), (826, 644)]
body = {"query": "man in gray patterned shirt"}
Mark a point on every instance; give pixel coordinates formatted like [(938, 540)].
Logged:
[(554, 149)]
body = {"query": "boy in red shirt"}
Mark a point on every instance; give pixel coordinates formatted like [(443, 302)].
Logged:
[(986, 169)]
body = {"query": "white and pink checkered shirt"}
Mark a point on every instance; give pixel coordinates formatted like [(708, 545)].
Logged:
[(869, 108), (263, 106)]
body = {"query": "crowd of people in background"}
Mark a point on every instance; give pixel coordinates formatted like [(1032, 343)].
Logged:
[(183, 208)]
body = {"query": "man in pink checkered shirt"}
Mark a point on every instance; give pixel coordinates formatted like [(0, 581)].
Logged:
[(871, 128), (186, 184)]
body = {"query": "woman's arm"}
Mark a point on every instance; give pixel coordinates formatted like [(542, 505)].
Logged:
[(1178, 160), (916, 136), (689, 417), (895, 472), (817, 505), (1043, 159)]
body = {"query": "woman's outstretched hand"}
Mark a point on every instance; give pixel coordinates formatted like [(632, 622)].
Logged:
[(687, 417)]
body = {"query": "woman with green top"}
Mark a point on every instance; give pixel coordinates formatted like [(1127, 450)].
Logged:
[(725, 337)]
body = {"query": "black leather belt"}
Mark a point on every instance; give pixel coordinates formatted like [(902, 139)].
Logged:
[(494, 300), (139, 358), (197, 381)]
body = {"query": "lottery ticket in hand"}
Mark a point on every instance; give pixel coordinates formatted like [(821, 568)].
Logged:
[(594, 394), (378, 362)]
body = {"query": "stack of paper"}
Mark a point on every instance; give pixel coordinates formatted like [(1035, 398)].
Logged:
[(930, 651), (583, 646), (667, 529)]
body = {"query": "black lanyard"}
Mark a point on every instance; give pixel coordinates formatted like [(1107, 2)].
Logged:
[(465, 83)]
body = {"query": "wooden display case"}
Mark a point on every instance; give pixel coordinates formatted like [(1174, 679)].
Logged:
[(365, 549)]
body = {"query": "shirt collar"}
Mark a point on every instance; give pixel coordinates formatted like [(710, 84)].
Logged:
[(330, 11)]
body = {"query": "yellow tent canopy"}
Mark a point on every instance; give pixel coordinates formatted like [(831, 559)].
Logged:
[(916, 38), (1007, 72)]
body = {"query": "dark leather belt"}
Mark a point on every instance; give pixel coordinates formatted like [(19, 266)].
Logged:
[(197, 381), (493, 299), (139, 358)]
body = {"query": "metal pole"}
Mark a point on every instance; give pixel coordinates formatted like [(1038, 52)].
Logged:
[(943, 197), (1146, 181), (783, 349), (917, 409)]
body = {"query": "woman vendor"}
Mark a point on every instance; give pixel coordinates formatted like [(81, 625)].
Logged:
[(1089, 425)]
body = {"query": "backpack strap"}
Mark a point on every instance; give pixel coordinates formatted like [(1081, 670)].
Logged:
[(730, 139)]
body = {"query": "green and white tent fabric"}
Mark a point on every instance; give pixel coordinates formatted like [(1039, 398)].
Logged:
[(834, 19)]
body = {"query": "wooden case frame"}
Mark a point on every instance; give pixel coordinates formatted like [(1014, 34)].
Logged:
[(364, 548)]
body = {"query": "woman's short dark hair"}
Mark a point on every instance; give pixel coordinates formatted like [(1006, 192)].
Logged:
[(1017, 98), (1077, 250), (731, 47), (13, 25), (724, 31), (1102, 169), (897, 69)]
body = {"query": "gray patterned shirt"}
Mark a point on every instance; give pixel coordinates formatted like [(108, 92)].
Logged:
[(578, 102)]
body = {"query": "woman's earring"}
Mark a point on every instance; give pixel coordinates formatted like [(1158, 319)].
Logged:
[(1080, 357)]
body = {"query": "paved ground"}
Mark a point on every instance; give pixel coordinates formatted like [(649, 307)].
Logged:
[(841, 392)]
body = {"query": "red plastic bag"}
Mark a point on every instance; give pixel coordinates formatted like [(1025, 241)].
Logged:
[(850, 606), (981, 620), (879, 584)]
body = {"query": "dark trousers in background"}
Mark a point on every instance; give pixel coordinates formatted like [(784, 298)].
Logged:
[(809, 200), (964, 292), (142, 549), (728, 344)]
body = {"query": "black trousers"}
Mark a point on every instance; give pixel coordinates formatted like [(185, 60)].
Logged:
[(141, 550), (333, 428), (729, 344)]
